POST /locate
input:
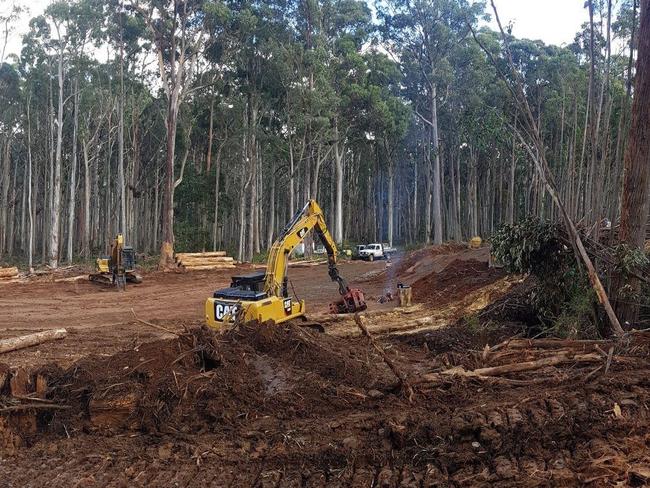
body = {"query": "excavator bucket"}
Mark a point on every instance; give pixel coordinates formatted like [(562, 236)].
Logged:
[(352, 301)]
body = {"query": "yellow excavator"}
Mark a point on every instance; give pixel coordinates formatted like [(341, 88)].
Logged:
[(118, 268), (264, 296)]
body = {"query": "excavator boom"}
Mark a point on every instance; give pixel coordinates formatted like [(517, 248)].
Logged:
[(310, 217)]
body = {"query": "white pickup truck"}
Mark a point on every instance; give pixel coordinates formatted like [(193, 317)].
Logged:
[(374, 251)]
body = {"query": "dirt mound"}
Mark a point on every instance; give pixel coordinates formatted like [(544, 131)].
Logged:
[(284, 406), (414, 259), (204, 380), (459, 278)]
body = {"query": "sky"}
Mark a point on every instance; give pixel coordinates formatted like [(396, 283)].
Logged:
[(552, 21)]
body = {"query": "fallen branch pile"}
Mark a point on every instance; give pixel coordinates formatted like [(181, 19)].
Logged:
[(204, 261), (530, 361), (8, 275)]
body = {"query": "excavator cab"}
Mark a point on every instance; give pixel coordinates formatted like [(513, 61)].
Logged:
[(264, 296), (244, 287), (119, 267)]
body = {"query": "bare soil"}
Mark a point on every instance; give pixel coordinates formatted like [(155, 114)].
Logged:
[(121, 404)]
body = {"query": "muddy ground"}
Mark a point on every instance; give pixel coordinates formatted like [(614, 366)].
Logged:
[(118, 403)]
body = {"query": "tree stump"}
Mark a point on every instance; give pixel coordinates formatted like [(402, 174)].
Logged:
[(404, 295)]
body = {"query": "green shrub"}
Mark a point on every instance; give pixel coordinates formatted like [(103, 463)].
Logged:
[(563, 300)]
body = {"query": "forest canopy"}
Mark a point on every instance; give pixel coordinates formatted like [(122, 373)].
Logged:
[(206, 124)]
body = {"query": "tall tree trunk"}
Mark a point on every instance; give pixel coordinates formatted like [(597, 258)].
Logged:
[(208, 158), (415, 199), (391, 202), (4, 201), (634, 208), (73, 175), (217, 176), (437, 191), (85, 245), (30, 246), (271, 222), (511, 186), (339, 150), (167, 247), (121, 180), (55, 210), (12, 212)]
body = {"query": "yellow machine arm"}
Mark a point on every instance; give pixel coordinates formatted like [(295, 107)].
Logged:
[(310, 217)]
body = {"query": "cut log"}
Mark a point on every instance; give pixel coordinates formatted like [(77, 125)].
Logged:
[(41, 386), (404, 295), (204, 261), (214, 254), (29, 340), (210, 267), (554, 343), (9, 279), (525, 365), (19, 383), (4, 374), (4, 272), (218, 259)]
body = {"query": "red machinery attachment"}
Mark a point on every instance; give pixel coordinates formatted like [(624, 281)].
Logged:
[(350, 302)]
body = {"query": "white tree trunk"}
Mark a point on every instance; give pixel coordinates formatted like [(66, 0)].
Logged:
[(86, 235), (73, 177), (30, 246), (391, 202), (338, 221), (55, 210), (437, 190)]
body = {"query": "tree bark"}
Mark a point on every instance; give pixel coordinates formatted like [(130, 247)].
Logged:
[(30, 246), (634, 208), (55, 210), (4, 202), (437, 190), (73, 176), (339, 150), (22, 342)]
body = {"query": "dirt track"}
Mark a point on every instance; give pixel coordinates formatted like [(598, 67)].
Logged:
[(284, 406), (100, 320)]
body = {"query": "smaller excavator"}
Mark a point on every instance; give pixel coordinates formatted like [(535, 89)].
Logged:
[(118, 268), (264, 296)]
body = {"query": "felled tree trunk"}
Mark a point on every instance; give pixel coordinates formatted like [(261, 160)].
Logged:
[(22, 342)]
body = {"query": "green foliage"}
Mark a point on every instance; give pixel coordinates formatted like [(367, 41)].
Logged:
[(630, 259), (261, 258), (472, 322), (530, 246), (563, 299), (578, 317)]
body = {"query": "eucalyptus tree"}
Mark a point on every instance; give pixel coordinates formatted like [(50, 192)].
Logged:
[(10, 101), (421, 34), (177, 30)]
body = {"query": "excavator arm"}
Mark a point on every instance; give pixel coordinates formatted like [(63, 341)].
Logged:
[(265, 297), (309, 218)]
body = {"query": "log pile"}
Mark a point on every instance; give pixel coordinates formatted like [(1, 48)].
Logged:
[(204, 261), (8, 275), (536, 361)]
